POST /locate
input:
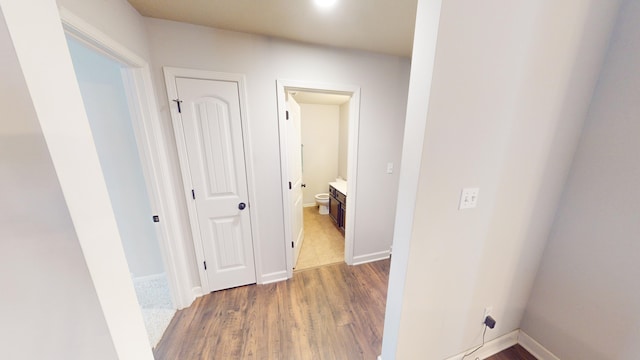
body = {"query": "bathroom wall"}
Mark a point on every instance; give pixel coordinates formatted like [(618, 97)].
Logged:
[(104, 99), (343, 142), (320, 140)]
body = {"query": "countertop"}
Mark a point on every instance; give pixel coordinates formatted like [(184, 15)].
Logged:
[(340, 185)]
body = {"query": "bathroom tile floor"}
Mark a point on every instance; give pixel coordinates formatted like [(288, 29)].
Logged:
[(323, 243)]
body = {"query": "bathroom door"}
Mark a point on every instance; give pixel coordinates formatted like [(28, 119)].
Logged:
[(294, 147), (216, 181)]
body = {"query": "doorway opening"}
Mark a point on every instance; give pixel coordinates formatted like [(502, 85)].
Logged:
[(310, 167), (153, 157), (108, 109), (324, 128)]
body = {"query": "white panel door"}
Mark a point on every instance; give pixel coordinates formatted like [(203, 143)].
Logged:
[(294, 147), (211, 121)]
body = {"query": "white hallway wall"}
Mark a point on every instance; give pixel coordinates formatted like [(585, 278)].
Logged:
[(320, 125), (48, 294), (584, 304), (37, 34), (383, 80), (511, 85), (116, 19)]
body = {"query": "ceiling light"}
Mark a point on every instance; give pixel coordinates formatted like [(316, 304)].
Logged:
[(325, 3)]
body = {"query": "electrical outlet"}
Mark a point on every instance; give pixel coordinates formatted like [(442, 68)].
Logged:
[(487, 311)]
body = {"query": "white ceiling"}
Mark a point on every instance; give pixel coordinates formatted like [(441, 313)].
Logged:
[(384, 26)]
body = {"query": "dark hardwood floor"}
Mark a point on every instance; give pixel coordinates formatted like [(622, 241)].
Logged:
[(331, 312), (515, 352)]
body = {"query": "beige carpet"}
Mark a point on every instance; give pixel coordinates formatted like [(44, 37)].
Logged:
[(323, 243), (155, 302)]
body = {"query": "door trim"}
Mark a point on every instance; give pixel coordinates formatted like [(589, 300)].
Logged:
[(170, 75), (283, 85), (151, 146)]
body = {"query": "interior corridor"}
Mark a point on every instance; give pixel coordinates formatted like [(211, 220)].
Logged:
[(329, 312)]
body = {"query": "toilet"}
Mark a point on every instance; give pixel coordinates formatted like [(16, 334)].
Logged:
[(323, 203)]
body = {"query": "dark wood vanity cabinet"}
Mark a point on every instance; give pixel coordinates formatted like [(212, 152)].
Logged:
[(337, 207)]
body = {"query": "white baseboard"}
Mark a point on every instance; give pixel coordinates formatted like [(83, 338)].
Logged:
[(141, 279), (196, 292), (363, 259), (189, 298), (506, 341), (273, 277), (535, 348), (310, 205), (492, 347)]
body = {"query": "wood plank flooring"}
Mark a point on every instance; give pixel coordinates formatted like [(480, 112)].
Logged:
[(515, 352), (330, 312)]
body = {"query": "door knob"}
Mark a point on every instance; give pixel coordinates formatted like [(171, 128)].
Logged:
[(242, 205), (303, 185)]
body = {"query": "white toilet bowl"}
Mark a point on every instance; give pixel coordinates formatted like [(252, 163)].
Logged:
[(323, 203)]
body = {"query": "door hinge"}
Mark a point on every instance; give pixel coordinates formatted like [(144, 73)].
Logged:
[(156, 218), (289, 185), (292, 244), (205, 265), (193, 194), (178, 101), (287, 113)]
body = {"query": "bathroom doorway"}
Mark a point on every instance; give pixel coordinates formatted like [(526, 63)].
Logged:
[(326, 150), (324, 127)]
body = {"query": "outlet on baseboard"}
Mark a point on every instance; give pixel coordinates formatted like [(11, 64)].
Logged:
[(487, 311)]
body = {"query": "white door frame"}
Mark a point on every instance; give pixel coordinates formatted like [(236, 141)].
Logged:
[(151, 147), (352, 158), (170, 75)]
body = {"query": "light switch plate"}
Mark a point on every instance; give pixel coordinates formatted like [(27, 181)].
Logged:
[(469, 198), (389, 168)]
